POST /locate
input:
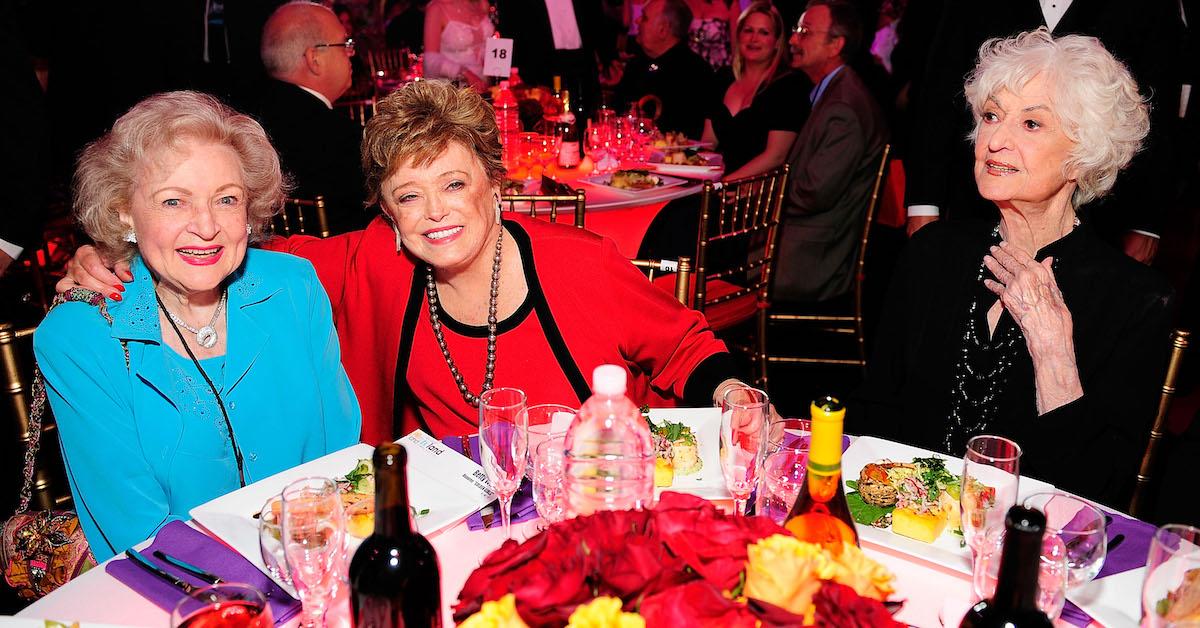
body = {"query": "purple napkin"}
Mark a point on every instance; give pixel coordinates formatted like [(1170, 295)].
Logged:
[(1074, 615), (190, 545), (1132, 552), (523, 508)]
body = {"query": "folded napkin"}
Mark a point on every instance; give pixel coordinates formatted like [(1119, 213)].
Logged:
[(1074, 615), (523, 508), (190, 545)]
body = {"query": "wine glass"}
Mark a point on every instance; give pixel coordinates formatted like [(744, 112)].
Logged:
[(991, 470), (743, 424), (270, 539), (502, 445), (313, 536), (1170, 576), (544, 420), (549, 495), (1052, 571), (227, 605), (779, 481), (1080, 527)]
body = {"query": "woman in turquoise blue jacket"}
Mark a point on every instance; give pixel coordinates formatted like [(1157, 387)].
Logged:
[(218, 366)]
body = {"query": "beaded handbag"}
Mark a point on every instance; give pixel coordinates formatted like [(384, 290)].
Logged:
[(44, 549)]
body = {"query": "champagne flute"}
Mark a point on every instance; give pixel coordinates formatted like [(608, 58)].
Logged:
[(1171, 577), (503, 434), (991, 470), (313, 537), (1080, 527), (743, 425), (227, 605)]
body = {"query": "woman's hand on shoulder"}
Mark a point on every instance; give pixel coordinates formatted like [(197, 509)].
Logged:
[(87, 269)]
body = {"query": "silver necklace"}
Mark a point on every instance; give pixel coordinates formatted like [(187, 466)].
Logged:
[(431, 290), (205, 336)]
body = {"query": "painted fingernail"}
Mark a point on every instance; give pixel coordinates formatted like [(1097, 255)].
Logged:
[(119, 287), (115, 296)]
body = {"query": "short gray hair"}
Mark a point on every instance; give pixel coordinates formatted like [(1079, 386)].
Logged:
[(108, 168), (285, 38), (1095, 99), (678, 17)]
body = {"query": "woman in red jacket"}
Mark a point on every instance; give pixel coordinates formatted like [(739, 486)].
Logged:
[(440, 299)]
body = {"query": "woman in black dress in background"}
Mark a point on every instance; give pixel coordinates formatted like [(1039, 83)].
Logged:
[(759, 104)]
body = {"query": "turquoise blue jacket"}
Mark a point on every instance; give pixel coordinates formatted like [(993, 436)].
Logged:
[(145, 443)]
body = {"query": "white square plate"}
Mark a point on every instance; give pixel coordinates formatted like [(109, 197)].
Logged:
[(708, 482), (605, 181), (946, 550)]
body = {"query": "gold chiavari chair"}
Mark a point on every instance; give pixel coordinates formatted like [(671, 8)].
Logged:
[(1139, 505), (838, 319), (547, 204), (359, 111), (387, 62), (735, 255), (303, 216), (681, 267), (16, 369)]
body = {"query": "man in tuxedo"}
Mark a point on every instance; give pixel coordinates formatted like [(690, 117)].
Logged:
[(833, 161), (938, 169), (306, 52), (667, 68), (558, 38)]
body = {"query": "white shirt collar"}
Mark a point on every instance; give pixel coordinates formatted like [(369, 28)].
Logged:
[(318, 95), (1053, 11)]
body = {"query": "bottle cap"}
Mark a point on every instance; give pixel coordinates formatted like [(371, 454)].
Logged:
[(825, 446), (608, 379)]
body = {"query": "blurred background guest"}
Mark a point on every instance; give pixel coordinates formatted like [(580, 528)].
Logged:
[(455, 34), (219, 367), (404, 25), (833, 161), (25, 160), (306, 52), (760, 102), (1031, 328), (712, 31), (667, 69)]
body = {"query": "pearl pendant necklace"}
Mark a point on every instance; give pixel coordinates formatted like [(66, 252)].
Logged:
[(205, 336)]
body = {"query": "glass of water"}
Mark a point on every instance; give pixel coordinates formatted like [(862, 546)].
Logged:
[(270, 540)]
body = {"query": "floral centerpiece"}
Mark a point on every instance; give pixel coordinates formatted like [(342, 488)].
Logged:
[(683, 563)]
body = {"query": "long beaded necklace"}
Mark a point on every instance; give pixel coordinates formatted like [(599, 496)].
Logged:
[(205, 336), (431, 290)]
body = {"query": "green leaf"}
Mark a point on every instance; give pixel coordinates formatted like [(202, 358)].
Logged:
[(865, 513), (852, 484)]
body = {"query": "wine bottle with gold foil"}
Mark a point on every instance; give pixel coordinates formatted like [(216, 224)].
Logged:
[(820, 514)]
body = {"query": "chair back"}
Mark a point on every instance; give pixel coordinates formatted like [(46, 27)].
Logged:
[(547, 204), (16, 377), (1139, 504), (302, 216), (359, 111), (682, 269), (739, 216), (860, 263), (387, 62)]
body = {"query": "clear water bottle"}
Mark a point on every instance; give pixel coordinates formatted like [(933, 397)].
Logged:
[(609, 456), (508, 120)]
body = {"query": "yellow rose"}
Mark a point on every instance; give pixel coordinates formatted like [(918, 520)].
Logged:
[(867, 577), (786, 572), (501, 613), (604, 612)]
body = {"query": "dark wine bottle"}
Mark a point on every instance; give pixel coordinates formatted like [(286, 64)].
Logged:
[(1015, 602), (568, 128), (394, 577), (820, 514)]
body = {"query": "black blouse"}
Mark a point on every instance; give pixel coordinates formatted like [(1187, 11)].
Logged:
[(1120, 310), (782, 105)]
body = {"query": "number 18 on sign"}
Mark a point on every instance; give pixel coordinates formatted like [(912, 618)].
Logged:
[(497, 57)]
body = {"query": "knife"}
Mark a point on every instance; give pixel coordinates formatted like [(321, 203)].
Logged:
[(139, 560), (188, 567), (485, 513)]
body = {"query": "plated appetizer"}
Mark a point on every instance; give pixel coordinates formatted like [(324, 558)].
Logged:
[(677, 450), (673, 138), (634, 180), (689, 157), (357, 491), (918, 499), (1182, 604)]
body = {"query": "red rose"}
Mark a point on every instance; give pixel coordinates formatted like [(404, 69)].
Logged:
[(697, 603), (838, 606), (709, 541)]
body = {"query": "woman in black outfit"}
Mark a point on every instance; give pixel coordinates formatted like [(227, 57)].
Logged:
[(760, 104), (1031, 327)]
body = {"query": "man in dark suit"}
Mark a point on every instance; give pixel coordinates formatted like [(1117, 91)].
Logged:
[(306, 52), (667, 68), (833, 160), (1145, 37), (558, 38)]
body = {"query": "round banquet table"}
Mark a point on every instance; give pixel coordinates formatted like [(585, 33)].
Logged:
[(97, 597)]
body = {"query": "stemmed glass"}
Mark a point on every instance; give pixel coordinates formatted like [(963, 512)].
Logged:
[(545, 420), (227, 605), (991, 470), (782, 474), (743, 424), (1079, 527), (549, 496), (1170, 577), (313, 536), (270, 540), (502, 443)]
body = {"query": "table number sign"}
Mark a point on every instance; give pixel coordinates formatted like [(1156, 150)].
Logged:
[(497, 57)]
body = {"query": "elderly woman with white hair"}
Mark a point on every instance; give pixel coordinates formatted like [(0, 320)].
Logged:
[(219, 365), (1032, 327)]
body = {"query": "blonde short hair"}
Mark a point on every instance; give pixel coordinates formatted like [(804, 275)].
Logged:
[(766, 8), (417, 122), (108, 168), (1094, 96)]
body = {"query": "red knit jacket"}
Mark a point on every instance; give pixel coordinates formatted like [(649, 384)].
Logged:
[(594, 307)]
